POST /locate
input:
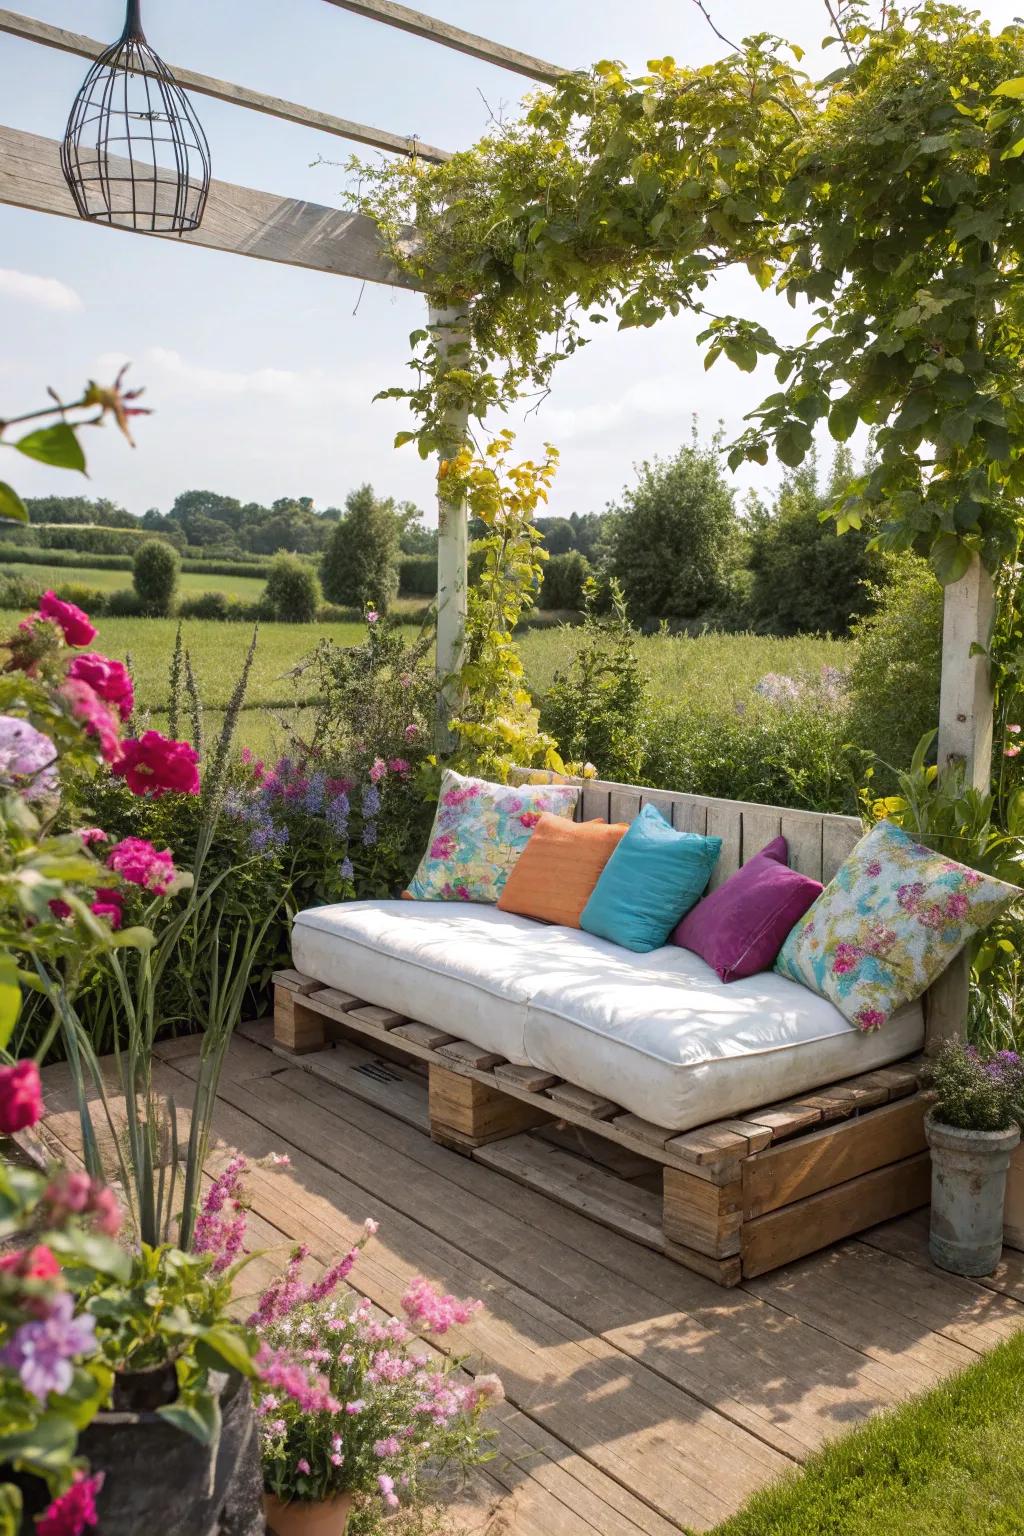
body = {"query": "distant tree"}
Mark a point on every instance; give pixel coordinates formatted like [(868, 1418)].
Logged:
[(100, 513), (414, 537), (559, 534), (293, 591), (565, 577), (195, 509), (671, 537), (155, 576), (805, 577), (360, 560)]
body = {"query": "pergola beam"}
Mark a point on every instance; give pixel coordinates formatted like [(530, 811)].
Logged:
[(238, 219), (420, 25), (33, 31)]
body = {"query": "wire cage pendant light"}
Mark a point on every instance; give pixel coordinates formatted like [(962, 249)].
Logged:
[(134, 154)]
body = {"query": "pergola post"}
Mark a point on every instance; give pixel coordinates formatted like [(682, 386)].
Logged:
[(450, 332), (965, 737)]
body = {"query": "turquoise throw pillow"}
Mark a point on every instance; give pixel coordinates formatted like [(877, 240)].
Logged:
[(651, 880)]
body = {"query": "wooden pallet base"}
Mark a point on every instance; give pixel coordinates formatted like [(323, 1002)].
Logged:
[(737, 1198)]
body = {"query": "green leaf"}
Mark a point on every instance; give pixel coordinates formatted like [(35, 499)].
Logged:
[(1015, 813), (11, 505), (843, 418), (229, 1346), (49, 1443), (10, 1509), (197, 1415), (1013, 87), (10, 1007), (950, 558), (92, 1250), (915, 413), (57, 446)]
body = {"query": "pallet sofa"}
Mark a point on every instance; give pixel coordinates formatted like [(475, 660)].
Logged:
[(774, 1127)]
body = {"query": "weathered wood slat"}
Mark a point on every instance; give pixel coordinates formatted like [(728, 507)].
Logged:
[(586, 1102), (423, 1034), (526, 1077), (33, 31), (786, 1119), (464, 1053), (795, 1230), (380, 1018), (238, 219), (724, 1142), (435, 31), (808, 1164), (803, 836), (761, 826), (704, 1216), (578, 1184)]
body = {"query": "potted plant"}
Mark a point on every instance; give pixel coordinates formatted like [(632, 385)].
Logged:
[(973, 1127), (397, 1416)]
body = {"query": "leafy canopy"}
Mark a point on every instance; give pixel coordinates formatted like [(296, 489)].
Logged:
[(890, 197)]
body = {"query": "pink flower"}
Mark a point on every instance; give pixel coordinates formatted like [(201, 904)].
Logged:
[(490, 1388), (311, 1392), (75, 625), (90, 835), (110, 679), (389, 1447), (957, 905), (74, 1511), (108, 905), (400, 766), (21, 1097), (138, 862), (869, 1018), (378, 770), (411, 731), (302, 1465), (1015, 729), (845, 959), (155, 765), (37, 1263), (74, 1193), (1011, 751), (60, 909), (873, 870), (387, 1490), (355, 1406), (443, 847), (530, 818), (89, 708), (372, 616), (435, 1313), (371, 1227)]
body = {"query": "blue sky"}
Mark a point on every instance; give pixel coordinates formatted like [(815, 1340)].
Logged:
[(262, 376)]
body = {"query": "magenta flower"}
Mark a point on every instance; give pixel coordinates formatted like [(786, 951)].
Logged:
[(76, 626), (154, 765), (138, 862), (89, 709), (427, 1308), (378, 770), (74, 1511), (869, 1018), (21, 1097), (110, 679)]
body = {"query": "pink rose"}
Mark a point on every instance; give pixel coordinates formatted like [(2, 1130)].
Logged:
[(138, 862), (36, 1263), (73, 1511), (76, 626), (108, 905), (156, 766), (400, 766), (21, 1097), (110, 679), (378, 770), (94, 714)]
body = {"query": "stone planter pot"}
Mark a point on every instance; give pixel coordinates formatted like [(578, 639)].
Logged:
[(1013, 1213), (968, 1192), (328, 1517), (159, 1479)]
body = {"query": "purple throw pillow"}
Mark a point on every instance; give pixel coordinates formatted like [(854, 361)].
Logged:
[(740, 928)]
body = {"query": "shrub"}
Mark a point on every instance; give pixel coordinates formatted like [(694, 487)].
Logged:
[(155, 574), (292, 592), (894, 681), (565, 577), (125, 604), (18, 591), (417, 576), (92, 599), (805, 578), (208, 605), (596, 708), (670, 541), (360, 560), (977, 1093)]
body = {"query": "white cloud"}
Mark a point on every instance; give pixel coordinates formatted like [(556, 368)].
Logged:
[(46, 292), (167, 368)]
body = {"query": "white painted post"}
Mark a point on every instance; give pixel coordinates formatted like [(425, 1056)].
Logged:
[(965, 737), (449, 329)]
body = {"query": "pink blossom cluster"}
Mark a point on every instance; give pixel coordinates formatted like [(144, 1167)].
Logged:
[(223, 1236), (429, 1310), (138, 862), (289, 1290), (311, 1391), (73, 1512), (73, 1193), (21, 1097)]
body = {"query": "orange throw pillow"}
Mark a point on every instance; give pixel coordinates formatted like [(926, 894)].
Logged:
[(558, 869)]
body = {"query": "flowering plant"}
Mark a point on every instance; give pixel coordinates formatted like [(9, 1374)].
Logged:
[(397, 1411), (974, 1091)]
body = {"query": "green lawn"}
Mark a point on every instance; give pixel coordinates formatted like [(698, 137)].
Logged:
[(949, 1463), (190, 583)]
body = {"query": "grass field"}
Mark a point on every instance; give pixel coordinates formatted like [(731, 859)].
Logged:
[(710, 672), (190, 583), (946, 1462)]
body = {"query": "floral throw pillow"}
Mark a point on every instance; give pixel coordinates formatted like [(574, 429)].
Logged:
[(479, 831), (890, 922)]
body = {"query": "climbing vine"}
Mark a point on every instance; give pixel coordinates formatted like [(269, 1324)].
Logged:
[(889, 197)]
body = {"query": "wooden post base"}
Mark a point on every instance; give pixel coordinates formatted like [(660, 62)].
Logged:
[(465, 1113), (297, 1028)]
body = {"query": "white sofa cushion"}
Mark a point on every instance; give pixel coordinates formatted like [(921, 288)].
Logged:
[(659, 1033)]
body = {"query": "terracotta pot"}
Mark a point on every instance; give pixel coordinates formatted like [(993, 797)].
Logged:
[(326, 1517)]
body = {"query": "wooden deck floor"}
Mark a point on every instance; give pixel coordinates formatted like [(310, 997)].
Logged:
[(641, 1398)]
